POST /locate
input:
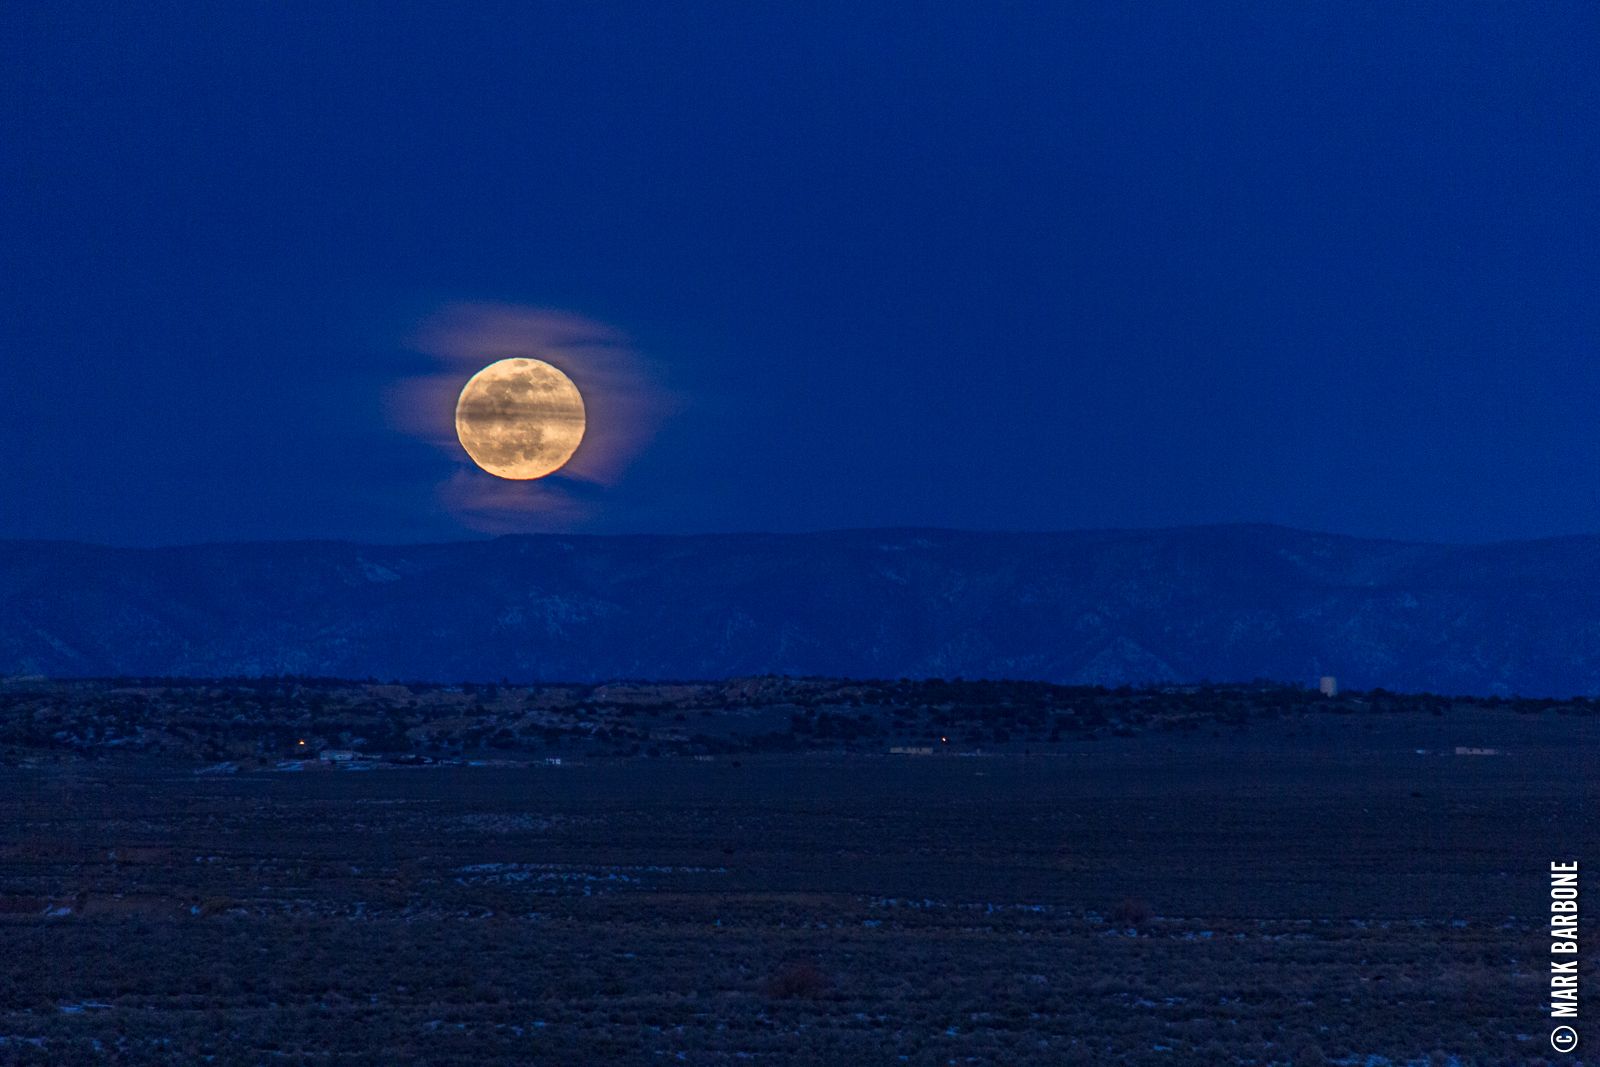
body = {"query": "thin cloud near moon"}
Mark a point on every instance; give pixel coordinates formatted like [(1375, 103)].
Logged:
[(622, 402)]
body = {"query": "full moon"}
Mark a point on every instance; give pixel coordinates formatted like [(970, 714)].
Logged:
[(520, 418)]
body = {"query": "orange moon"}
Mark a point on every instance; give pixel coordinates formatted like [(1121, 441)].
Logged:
[(520, 419)]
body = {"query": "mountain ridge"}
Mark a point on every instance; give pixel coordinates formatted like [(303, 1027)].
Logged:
[(1177, 604)]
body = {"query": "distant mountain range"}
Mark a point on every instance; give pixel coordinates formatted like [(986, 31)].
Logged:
[(1222, 603)]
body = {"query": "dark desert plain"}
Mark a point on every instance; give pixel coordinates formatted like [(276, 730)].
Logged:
[(1256, 875)]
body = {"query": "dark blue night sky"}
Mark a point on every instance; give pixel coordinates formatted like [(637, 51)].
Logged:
[(969, 265)]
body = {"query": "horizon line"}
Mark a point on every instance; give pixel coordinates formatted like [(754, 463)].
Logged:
[(818, 532)]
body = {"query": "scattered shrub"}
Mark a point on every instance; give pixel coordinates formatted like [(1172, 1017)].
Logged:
[(1130, 911), (797, 981)]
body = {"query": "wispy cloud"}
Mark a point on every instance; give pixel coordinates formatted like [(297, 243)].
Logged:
[(624, 400)]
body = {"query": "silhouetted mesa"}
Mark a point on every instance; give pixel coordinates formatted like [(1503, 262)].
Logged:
[(1180, 605)]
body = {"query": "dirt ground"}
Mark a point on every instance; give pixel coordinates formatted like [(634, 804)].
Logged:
[(1308, 891)]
